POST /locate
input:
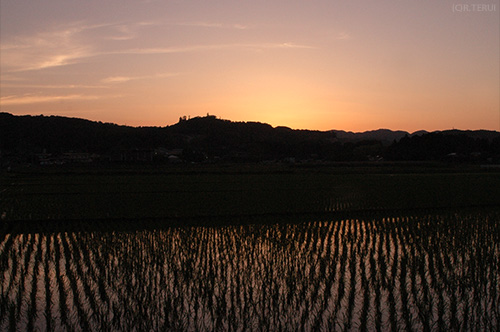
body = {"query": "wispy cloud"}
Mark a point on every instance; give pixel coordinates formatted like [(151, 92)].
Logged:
[(10, 78), (127, 31), (212, 25), (54, 48), (52, 86), (72, 43), (291, 45), (36, 99), (122, 32), (122, 79), (212, 47), (240, 26), (62, 45), (118, 79), (60, 60), (343, 36)]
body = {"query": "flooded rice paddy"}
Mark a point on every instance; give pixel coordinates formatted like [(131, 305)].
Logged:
[(436, 270)]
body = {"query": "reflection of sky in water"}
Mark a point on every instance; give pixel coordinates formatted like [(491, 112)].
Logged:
[(419, 272)]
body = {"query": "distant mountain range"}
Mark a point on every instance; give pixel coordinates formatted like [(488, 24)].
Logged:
[(212, 139), (389, 136), (386, 136)]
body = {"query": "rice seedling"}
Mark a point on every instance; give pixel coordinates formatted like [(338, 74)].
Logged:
[(63, 309)]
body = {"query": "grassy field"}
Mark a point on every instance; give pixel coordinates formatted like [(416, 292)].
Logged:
[(80, 195)]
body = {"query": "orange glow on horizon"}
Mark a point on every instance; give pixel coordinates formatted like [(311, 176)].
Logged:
[(320, 66)]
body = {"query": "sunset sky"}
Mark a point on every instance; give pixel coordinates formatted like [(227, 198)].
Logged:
[(308, 64)]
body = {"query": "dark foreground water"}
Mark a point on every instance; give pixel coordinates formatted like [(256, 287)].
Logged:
[(425, 271)]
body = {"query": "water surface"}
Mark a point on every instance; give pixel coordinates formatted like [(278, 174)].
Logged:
[(422, 271)]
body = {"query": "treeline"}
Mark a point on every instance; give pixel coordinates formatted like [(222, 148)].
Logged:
[(452, 145), (208, 139), (53, 134)]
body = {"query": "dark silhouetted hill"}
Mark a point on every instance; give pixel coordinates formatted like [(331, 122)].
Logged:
[(212, 139), (55, 134)]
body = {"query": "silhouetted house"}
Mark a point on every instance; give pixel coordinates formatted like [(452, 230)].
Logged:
[(77, 157), (491, 166), (162, 154), (475, 155), (45, 158), (133, 155), (65, 158), (175, 152), (454, 157), (174, 155), (174, 159), (375, 158)]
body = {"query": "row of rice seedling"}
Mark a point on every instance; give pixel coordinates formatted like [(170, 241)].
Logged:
[(426, 272)]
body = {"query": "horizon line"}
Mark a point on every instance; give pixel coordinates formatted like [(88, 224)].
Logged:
[(188, 118)]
